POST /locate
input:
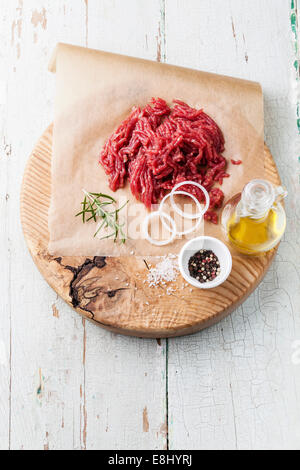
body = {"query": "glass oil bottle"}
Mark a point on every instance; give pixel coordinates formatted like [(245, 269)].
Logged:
[(254, 221)]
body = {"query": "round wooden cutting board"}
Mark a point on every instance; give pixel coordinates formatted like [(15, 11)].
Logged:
[(112, 291)]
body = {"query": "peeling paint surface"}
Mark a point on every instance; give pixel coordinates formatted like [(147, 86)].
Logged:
[(16, 28), (55, 311), (39, 18)]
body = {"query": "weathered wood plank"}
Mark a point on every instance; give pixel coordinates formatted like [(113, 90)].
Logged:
[(55, 369), (125, 377), (234, 385), (5, 155), (125, 392)]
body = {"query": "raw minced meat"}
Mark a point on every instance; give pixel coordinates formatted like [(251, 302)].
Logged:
[(158, 146)]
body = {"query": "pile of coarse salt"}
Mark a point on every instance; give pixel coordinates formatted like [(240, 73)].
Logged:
[(165, 271)]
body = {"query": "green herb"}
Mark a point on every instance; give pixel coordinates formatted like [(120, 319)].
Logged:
[(97, 206)]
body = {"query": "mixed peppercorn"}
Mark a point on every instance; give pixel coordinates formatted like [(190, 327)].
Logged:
[(204, 266)]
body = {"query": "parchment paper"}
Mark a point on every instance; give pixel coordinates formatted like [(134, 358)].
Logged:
[(95, 92)]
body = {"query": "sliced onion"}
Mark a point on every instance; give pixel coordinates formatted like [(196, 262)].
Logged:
[(161, 215), (179, 211), (184, 193)]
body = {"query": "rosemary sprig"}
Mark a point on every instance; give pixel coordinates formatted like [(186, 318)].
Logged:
[(94, 206)]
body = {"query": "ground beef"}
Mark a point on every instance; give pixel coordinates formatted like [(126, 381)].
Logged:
[(157, 147)]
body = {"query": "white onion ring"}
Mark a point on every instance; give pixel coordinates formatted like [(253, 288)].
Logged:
[(184, 193), (179, 211), (161, 215)]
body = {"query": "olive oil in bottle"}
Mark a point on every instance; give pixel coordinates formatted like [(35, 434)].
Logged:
[(255, 220)]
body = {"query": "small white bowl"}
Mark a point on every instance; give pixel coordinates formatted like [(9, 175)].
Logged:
[(205, 243)]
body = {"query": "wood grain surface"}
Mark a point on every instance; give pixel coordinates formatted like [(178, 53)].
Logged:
[(114, 292)]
